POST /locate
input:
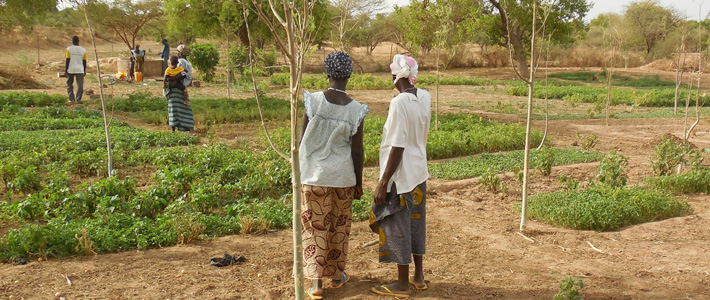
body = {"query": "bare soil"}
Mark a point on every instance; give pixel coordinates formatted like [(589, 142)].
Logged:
[(474, 248)]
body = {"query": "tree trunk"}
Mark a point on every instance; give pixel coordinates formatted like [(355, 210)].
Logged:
[(528, 127), (679, 77), (517, 51), (436, 119), (609, 79)]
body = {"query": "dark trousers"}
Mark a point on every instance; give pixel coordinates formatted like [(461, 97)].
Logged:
[(79, 86), (165, 64)]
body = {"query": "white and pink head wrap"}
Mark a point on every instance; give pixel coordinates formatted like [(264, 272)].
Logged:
[(404, 66)]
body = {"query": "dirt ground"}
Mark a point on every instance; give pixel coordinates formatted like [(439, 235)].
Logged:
[(474, 249)]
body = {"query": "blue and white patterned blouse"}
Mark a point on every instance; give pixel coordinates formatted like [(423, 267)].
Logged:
[(325, 151)]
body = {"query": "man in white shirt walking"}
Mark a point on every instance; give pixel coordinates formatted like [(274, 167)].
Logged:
[(399, 212), (75, 68)]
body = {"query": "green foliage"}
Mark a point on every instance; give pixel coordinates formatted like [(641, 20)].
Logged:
[(490, 181), (657, 97), (568, 183), (611, 170), (30, 99), (25, 13), (670, 153), (605, 208), (546, 157), (510, 161), (697, 181), (569, 290), (320, 82), (205, 58), (617, 80)]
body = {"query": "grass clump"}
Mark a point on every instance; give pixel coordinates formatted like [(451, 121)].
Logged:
[(511, 161), (605, 208), (320, 82)]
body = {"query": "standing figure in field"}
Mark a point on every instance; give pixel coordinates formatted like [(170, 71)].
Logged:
[(331, 160), (399, 211), (165, 55), (180, 115), (138, 57), (75, 68)]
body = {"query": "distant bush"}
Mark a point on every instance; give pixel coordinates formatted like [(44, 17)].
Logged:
[(205, 58)]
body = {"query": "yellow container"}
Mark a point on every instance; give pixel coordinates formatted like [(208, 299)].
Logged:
[(139, 76)]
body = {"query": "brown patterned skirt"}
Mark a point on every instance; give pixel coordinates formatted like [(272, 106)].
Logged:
[(327, 216)]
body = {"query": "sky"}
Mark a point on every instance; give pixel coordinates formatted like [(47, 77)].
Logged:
[(687, 8)]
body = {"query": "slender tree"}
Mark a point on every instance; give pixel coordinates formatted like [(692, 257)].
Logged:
[(107, 124), (680, 68), (293, 29)]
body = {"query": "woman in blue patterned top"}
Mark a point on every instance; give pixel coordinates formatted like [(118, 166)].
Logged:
[(331, 158)]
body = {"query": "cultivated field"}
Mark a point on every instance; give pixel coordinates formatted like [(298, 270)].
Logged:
[(179, 200)]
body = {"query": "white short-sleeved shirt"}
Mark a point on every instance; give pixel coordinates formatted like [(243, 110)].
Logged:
[(325, 151), (185, 64), (407, 127), (77, 56)]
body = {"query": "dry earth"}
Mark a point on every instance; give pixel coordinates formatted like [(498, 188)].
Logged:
[(474, 248)]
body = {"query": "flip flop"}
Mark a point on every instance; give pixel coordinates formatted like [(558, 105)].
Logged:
[(387, 292), (345, 279), (418, 287), (314, 297)]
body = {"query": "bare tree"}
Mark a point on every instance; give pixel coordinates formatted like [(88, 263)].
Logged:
[(295, 18), (349, 14), (680, 67), (615, 39), (124, 17), (686, 133)]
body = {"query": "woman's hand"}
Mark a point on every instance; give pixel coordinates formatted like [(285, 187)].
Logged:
[(380, 196), (358, 192)]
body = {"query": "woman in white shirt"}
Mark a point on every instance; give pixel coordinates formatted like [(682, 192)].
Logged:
[(331, 160)]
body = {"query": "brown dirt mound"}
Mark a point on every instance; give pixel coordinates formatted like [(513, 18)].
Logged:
[(16, 80)]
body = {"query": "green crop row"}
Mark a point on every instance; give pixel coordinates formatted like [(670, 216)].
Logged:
[(154, 110), (605, 208), (30, 99), (126, 138), (692, 182), (459, 135), (618, 80), (320, 82), (661, 97), (504, 162)]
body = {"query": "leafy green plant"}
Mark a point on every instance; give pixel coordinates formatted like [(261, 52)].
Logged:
[(671, 152), (568, 183), (205, 58), (588, 142), (570, 290), (611, 170), (490, 181), (545, 160)]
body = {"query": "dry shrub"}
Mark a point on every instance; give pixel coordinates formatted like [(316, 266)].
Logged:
[(85, 244), (188, 228), (252, 225), (15, 78)]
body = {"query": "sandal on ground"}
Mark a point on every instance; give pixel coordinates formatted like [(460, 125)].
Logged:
[(416, 286), (386, 292), (314, 297), (341, 282)]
